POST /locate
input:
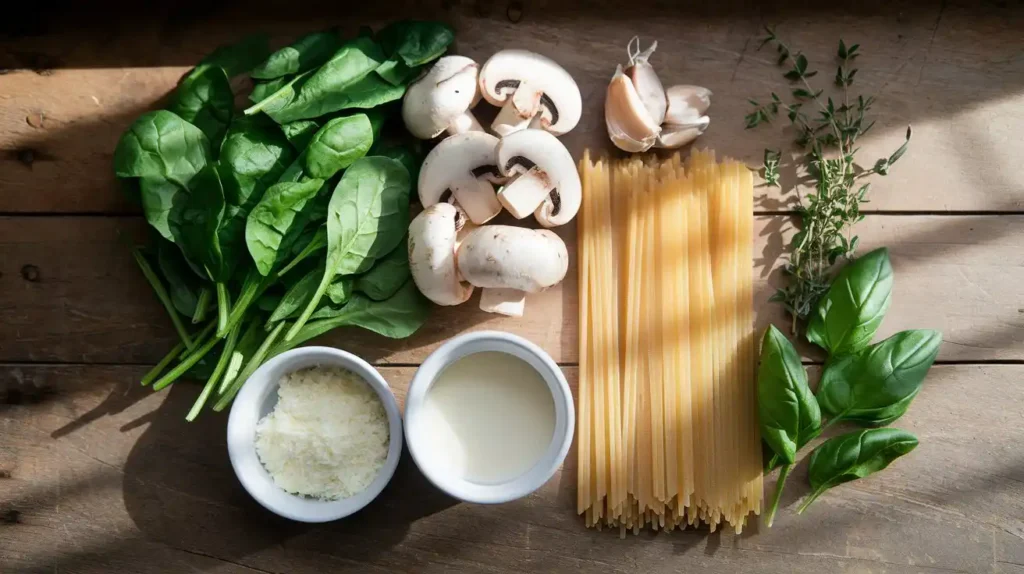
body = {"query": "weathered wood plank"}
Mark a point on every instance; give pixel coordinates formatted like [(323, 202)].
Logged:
[(69, 292), (956, 76), (103, 475)]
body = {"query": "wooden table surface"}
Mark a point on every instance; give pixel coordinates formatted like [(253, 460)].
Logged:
[(100, 475)]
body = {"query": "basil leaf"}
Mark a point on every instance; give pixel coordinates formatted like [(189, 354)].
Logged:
[(162, 145), (854, 455), (848, 315), (367, 216), (338, 144), (318, 94), (788, 414), (273, 219), (204, 99), (387, 275), (875, 386), (304, 54)]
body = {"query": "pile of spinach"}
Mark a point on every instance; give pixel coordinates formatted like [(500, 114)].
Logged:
[(868, 385), (277, 223)]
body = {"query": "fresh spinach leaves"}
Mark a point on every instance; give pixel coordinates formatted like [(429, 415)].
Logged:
[(205, 100), (338, 144), (304, 54), (162, 145), (274, 218)]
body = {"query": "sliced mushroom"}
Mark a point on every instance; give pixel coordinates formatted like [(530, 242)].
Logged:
[(508, 262), (646, 81), (549, 185), (673, 136), (440, 101), (432, 260), (687, 104), (457, 170), (532, 91), (630, 126)]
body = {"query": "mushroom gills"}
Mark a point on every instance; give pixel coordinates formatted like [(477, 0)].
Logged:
[(510, 302), (525, 194), (477, 199), (518, 112)]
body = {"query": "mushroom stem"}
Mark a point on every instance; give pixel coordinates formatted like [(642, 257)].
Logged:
[(477, 198), (464, 122), (525, 193), (510, 119), (510, 302)]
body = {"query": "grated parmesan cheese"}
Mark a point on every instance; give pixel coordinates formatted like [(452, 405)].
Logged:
[(327, 437)]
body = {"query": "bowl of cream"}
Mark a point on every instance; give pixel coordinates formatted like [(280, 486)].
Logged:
[(489, 417)]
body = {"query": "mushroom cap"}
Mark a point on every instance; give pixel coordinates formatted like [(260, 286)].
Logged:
[(432, 238), (454, 160), (560, 102), (444, 93), (506, 257), (525, 149)]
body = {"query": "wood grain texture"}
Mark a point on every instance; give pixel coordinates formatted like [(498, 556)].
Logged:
[(101, 475), (955, 74), (69, 292)]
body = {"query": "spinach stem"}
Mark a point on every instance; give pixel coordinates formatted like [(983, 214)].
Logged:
[(186, 364), (780, 484), (223, 308), (161, 293), (202, 303), (253, 286), (159, 367), (250, 368), (811, 498), (218, 371), (318, 242), (313, 303)]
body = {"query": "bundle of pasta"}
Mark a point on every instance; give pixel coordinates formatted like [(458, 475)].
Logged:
[(667, 433)]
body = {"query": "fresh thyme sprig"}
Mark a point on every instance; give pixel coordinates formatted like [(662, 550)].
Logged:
[(827, 133)]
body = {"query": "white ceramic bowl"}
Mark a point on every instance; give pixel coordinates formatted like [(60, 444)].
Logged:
[(565, 420), (257, 399)]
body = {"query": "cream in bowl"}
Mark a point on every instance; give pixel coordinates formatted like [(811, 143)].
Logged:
[(489, 417), (315, 434)]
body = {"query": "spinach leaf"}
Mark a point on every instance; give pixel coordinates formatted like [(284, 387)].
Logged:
[(788, 414), (317, 94), (162, 145), (339, 143), (305, 246), (204, 99), (183, 285), (415, 42), (295, 297), (395, 72), (397, 317), (849, 314), (159, 197), (367, 216), (368, 92), (240, 57), (854, 455), (409, 156), (277, 95), (263, 90), (387, 275), (300, 132), (875, 386), (197, 223), (273, 218), (256, 151), (304, 54), (340, 291)]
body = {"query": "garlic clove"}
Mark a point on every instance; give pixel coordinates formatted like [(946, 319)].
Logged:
[(673, 136), (628, 144), (686, 104), (647, 83), (625, 114)]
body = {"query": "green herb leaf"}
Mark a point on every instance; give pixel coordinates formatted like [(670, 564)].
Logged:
[(788, 414), (853, 456), (849, 314)]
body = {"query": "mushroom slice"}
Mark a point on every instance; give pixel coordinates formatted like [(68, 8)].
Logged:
[(532, 91), (432, 260), (686, 104), (440, 100), (450, 173), (673, 136), (550, 187), (646, 81), (510, 260), (626, 117)]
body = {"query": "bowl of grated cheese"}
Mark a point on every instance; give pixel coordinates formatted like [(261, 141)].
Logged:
[(315, 434)]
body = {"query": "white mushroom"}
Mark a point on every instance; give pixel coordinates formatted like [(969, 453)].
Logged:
[(459, 169), (532, 91), (508, 262), (547, 185), (432, 239), (440, 101)]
